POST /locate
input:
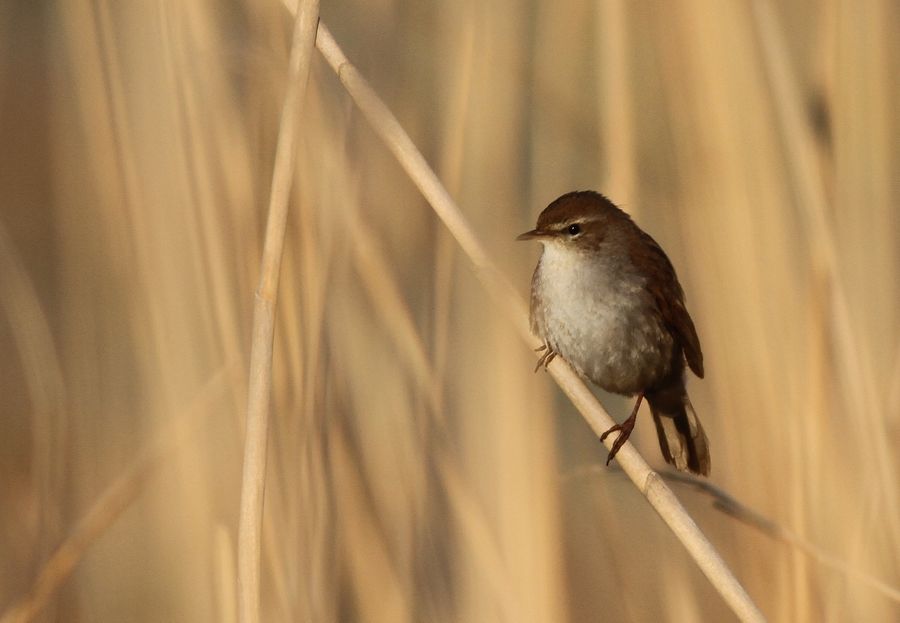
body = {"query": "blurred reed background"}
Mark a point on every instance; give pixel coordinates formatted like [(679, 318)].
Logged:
[(418, 470)]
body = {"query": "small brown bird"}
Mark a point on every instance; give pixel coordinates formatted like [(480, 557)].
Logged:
[(605, 297)]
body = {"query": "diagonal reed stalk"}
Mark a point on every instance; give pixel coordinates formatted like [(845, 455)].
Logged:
[(726, 503), (117, 498), (260, 383), (648, 482)]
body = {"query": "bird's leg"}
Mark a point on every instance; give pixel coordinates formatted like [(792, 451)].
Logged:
[(547, 357), (624, 429)]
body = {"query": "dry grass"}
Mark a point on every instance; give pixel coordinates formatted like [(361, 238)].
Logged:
[(648, 483), (259, 385), (416, 466)]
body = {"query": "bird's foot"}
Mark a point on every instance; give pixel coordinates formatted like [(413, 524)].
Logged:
[(624, 430), (546, 358)]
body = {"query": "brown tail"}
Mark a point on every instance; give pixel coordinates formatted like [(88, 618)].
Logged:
[(681, 437)]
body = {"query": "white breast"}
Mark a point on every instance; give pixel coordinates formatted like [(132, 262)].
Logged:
[(593, 312)]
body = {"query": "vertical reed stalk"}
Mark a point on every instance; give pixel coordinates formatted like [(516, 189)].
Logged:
[(260, 383)]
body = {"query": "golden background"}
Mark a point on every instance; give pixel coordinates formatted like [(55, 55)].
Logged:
[(419, 470)]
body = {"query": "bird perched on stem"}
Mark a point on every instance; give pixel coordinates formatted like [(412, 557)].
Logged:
[(605, 297)]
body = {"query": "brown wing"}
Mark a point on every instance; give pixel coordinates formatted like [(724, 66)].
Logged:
[(663, 284)]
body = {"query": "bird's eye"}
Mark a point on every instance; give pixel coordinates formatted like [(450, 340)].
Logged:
[(574, 229)]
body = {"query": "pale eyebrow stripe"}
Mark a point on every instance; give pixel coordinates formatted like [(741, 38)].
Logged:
[(580, 221)]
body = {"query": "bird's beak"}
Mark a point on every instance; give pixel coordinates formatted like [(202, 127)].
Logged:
[(529, 235)]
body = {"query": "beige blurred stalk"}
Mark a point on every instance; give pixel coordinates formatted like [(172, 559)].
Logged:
[(417, 469), (260, 383)]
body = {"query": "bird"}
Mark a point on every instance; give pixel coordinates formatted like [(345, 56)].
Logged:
[(605, 297)]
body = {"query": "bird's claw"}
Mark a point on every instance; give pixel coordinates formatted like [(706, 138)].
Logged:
[(546, 358), (624, 430)]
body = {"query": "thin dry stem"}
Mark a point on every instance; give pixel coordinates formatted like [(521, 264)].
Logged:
[(117, 497), (260, 384), (105, 511), (43, 378), (724, 502), (388, 128), (224, 576), (657, 493), (617, 128)]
